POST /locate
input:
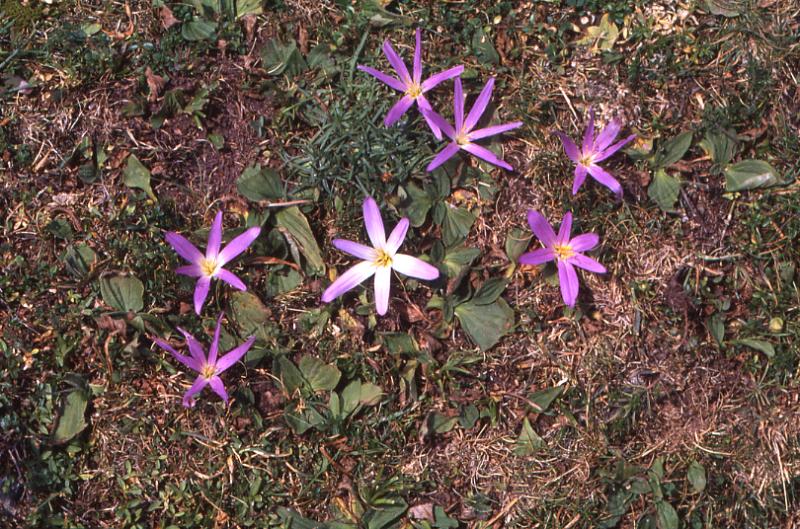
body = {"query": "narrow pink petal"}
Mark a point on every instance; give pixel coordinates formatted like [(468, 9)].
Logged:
[(609, 152), (485, 154), (541, 228), (188, 361), (606, 136), (234, 355), (587, 263), (214, 237), (238, 245), (195, 348), (568, 281), (433, 80), (413, 267), (458, 105), (383, 283), (569, 147), (219, 388), (438, 121), (201, 293), (480, 105), (426, 110), (417, 66), (184, 248), (355, 249), (214, 348), (588, 135), (397, 63), (388, 80), (397, 111), (584, 242), (600, 174), (397, 236), (191, 270), (445, 154), (348, 280), (537, 257), (197, 387), (231, 278), (493, 130), (580, 178), (565, 229), (374, 223)]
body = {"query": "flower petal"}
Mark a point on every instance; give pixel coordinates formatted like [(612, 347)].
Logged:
[(214, 347), (388, 80), (580, 178), (219, 388), (568, 281), (605, 178), (458, 105), (397, 111), (584, 242), (541, 228), (588, 135), (184, 248), (426, 110), (537, 257), (479, 107), (191, 270), (436, 119), (486, 155), (188, 361), (606, 136), (614, 148), (569, 146), (355, 249), (201, 293), (417, 66), (231, 278), (214, 237), (197, 387), (383, 283), (587, 263), (348, 280), (397, 63), (195, 348), (397, 236), (234, 355), (445, 154), (493, 130), (565, 229), (414, 267), (374, 223), (238, 245), (440, 77)]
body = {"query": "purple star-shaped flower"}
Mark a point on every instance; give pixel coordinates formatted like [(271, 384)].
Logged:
[(208, 266), (378, 260), (209, 367), (565, 251), (413, 87), (462, 135), (593, 151)]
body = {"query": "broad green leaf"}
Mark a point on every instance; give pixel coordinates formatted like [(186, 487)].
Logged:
[(198, 29), (442, 521), (72, 420), (483, 48), (716, 324), (749, 174), (279, 58), (289, 374), (248, 7), (489, 291), (440, 423), (319, 375), (544, 398), (485, 324), (260, 183), (301, 420), (79, 260), (664, 190), (719, 146), (601, 37), (250, 314), (370, 394), (281, 283), (517, 243), (420, 203), (138, 176), (726, 8), (456, 226), (674, 149), (667, 516), (528, 442), (297, 230), (458, 258), (123, 293), (351, 397), (469, 416), (60, 229), (696, 476), (386, 517), (759, 345), (400, 343)]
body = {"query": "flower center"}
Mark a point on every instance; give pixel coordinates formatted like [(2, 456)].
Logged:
[(208, 371), (462, 139), (586, 159), (383, 259), (563, 251), (208, 267), (414, 90)]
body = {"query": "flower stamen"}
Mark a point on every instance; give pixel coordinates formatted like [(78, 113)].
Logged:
[(414, 90), (563, 251), (383, 259), (208, 267), (208, 371)]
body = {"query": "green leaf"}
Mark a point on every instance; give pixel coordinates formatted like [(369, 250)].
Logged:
[(60, 229), (483, 48), (440, 423), (441, 520), (251, 315), (674, 149), (260, 183), (489, 291), (664, 190), (419, 206), (544, 398), (319, 375), (79, 260), (248, 7), (457, 223), (386, 517), (290, 376), (400, 343), (716, 324), (297, 230), (370, 394), (749, 174), (719, 146), (301, 420), (528, 442), (758, 345), (485, 324), (517, 242), (123, 293), (667, 516), (279, 58), (458, 258), (72, 420), (726, 8), (198, 29), (138, 176), (601, 37), (696, 476)]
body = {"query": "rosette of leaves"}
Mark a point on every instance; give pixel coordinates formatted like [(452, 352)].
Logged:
[(664, 186), (721, 146)]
